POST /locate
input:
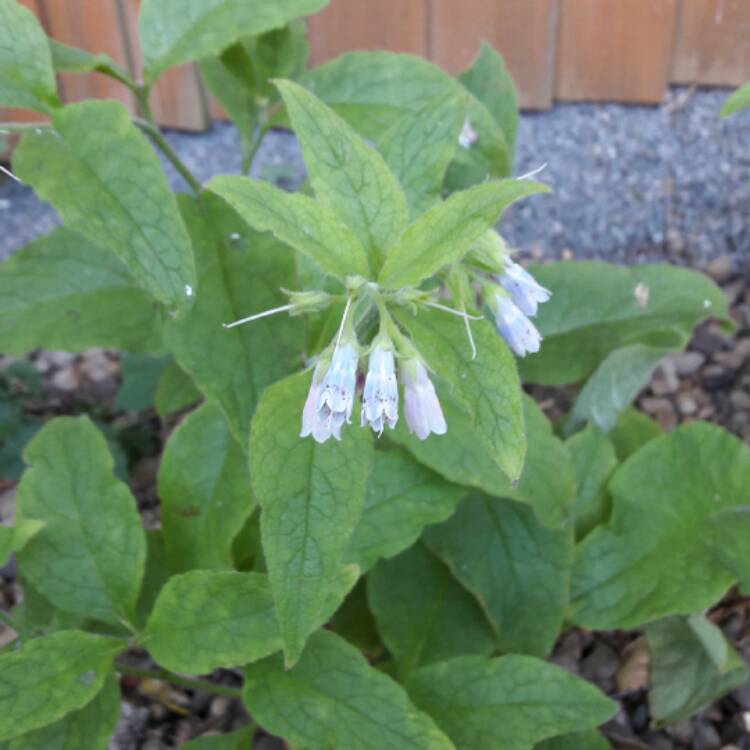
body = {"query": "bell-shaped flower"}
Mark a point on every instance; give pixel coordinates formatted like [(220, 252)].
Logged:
[(333, 396), (526, 292), (380, 395), (310, 410), (519, 332), (421, 406)]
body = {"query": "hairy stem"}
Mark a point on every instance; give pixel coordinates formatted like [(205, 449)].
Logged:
[(188, 682)]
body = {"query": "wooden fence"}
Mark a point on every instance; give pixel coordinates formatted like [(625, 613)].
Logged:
[(615, 50)]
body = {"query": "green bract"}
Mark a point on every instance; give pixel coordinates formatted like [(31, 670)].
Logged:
[(357, 510)]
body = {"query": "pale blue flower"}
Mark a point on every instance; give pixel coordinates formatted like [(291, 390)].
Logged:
[(526, 292), (380, 395), (421, 406), (519, 332)]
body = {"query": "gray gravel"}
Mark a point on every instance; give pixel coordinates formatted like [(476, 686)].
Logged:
[(629, 182)]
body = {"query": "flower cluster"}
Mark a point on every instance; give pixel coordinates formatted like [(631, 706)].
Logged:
[(331, 397)]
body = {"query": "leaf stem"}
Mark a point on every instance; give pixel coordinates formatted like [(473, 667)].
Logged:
[(188, 682)]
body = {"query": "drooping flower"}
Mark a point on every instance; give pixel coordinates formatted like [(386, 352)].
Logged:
[(519, 332), (310, 410), (421, 406), (526, 292), (333, 396), (380, 395)]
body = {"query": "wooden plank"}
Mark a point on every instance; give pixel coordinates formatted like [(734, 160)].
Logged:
[(396, 25), (712, 43), (177, 100), (94, 27), (524, 31), (615, 49)]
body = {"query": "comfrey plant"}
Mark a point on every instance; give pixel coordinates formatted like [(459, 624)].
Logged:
[(403, 584)]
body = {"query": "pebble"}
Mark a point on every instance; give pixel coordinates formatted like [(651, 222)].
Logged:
[(707, 341), (740, 400), (720, 269), (662, 410), (634, 672), (687, 363), (716, 377), (687, 404), (706, 737), (98, 366), (665, 381), (66, 380)]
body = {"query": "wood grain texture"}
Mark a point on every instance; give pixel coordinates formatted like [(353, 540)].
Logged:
[(95, 27), (177, 99), (618, 50), (712, 43), (524, 31), (396, 25)]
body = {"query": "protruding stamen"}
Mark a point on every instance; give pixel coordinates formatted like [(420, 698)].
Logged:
[(10, 174), (450, 310), (343, 323), (469, 333), (533, 173), (257, 316)]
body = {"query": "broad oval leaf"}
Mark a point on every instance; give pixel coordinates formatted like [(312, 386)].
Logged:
[(349, 177), (64, 292), (51, 676), (311, 499), (297, 220), (107, 183), (205, 492), (174, 391), (423, 613), (518, 569), (653, 559), (27, 79), (443, 234), (205, 619), (334, 698), (15, 538), (506, 703), (173, 32), (633, 430), (90, 555), (589, 739), (89, 728), (240, 272), (67, 59), (597, 308)]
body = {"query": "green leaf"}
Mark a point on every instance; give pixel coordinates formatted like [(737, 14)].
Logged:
[(15, 538), (51, 676), (311, 499), (140, 376), (156, 574), (205, 492), (418, 148), (64, 292), (239, 740), (89, 728), (486, 388), (653, 558), (597, 308), (507, 703), (174, 391), (737, 101), (401, 498), (443, 234), (280, 53), (296, 220), (89, 557), (334, 698), (518, 569), (633, 430), (349, 177), (589, 739), (68, 59), (726, 537), (240, 273), (614, 384), (208, 619), (27, 79), (107, 183), (692, 665), (423, 614), (594, 460), (354, 622), (173, 32), (489, 80)]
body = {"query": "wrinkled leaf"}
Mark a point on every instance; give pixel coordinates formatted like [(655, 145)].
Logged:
[(633, 430), (107, 183), (334, 698), (68, 59), (423, 614), (518, 569), (727, 538), (311, 499), (205, 492), (208, 619), (89, 557), (15, 538)]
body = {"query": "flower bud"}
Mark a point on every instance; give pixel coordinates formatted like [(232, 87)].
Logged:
[(421, 406), (519, 332), (380, 396), (523, 288)]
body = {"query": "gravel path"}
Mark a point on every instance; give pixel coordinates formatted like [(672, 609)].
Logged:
[(629, 182)]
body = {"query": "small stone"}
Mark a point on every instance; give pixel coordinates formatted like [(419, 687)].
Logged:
[(687, 404), (662, 410), (97, 366), (682, 731), (732, 359), (742, 346), (706, 737), (664, 381), (634, 672), (220, 705), (707, 341), (716, 378), (688, 363), (59, 359), (720, 269), (733, 291), (740, 400), (601, 665), (66, 380)]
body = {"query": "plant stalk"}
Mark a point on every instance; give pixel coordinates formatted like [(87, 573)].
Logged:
[(162, 675)]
